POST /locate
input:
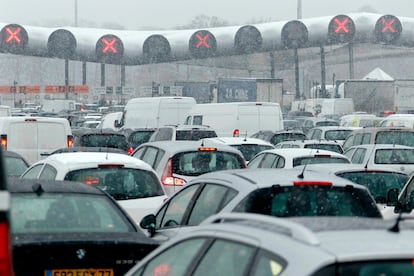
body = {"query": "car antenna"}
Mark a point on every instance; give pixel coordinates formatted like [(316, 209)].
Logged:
[(245, 137), (301, 175), (202, 142)]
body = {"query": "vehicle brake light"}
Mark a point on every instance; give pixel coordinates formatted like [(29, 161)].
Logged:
[(207, 149), (312, 183), (4, 142), (236, 133), (6, 267), (130, 150), (110, 166), (167, 177), (70, 141), (30, 120), (322, 155)]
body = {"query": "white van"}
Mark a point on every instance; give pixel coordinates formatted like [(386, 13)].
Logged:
[(238, 118), (154, 112), (108, 120), (5, 111), (34, 137), (58, 105)]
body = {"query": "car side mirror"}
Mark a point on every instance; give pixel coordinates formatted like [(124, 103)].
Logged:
[(392, 197), (148, 222)]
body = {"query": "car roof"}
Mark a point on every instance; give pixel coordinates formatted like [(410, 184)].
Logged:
[(310, 141), (297, 152), (81, 159), (325, 128), (381, 146), (261, 178), (19, 185), (337, 168), (239, 141), (181, 146)]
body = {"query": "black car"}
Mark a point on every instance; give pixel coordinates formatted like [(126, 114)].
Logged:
[(6, 267), (100, 138), (69, 228), (138, 136)]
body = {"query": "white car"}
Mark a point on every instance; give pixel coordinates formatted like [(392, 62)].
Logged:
[(289, 158), (383, 156), (248, 146), (132, 182), (334, 133), (177, 162)]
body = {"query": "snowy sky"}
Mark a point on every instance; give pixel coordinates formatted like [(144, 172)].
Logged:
[(138, 14)]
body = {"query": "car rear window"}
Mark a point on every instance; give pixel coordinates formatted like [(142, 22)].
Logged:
[(250, 150), (68, 213), (322, 159), (140, 137), (377, 182), (337, 134), (194, 135), (310, 201), (15, 166), (195, 163), (277, 138), (395, 137), (394, 156), (121, 183), (104, 140), (334, 148)]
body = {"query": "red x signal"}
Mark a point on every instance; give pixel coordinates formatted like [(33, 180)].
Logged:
[(109, 45), (341, 25), (388, 25), (202, 41), (13, 35)]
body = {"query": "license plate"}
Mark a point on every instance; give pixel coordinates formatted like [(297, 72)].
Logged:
[(80, 272)]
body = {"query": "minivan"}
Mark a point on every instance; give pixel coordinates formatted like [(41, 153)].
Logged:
[(380, 135), (34, 137)]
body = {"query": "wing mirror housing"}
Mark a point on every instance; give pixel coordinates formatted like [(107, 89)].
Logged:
[(148, 222), (392, 197)]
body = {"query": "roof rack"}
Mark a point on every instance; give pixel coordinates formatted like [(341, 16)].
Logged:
[(279, 225)]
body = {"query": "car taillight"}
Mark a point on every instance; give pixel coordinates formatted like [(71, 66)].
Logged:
[(4, 142), (207, 149), (6, 267), (130, 150), (167, 177), (70, 141), (236, 133), (312, 183)]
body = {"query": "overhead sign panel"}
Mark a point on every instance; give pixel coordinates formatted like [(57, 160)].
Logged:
[(341, 29), (156, 49), (388, 29), (202, 44), (248, 39), (109, 49), (61, 44), (294, 34), (13, 39)]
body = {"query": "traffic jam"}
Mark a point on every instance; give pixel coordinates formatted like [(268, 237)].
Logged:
[(240, 175)]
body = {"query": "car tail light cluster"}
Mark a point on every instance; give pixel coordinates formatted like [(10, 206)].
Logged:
[(6, 266), (167, 177), (70, 141), (130, 150), (236, 133), (4, 142)]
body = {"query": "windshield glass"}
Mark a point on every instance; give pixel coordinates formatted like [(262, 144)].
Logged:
[(197, 163), (250, 150), (334, 148), (394, 156), (65, 213), (309, 201), (104, 140), (195, 134), (15, 166), (405, 138), (121, 183), (337, 134), (380, 267), (318, 160)]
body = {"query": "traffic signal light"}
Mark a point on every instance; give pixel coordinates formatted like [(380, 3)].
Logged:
[(294, 34), (156, 49), (109, 49), (341, 29), (61, 44), (13, 39), (388, 29), (202, 44), (248, 39)]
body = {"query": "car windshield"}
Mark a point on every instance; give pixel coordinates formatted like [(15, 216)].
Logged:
[(334, 148), (121, 183), (321, 159), (104, 140), (250, 150), (291, 201), (195, 135), (15, 166), (405, 138), (377, 182), (65, 213), (394, 156), (337, 134), (195, 163), (369, 268)]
